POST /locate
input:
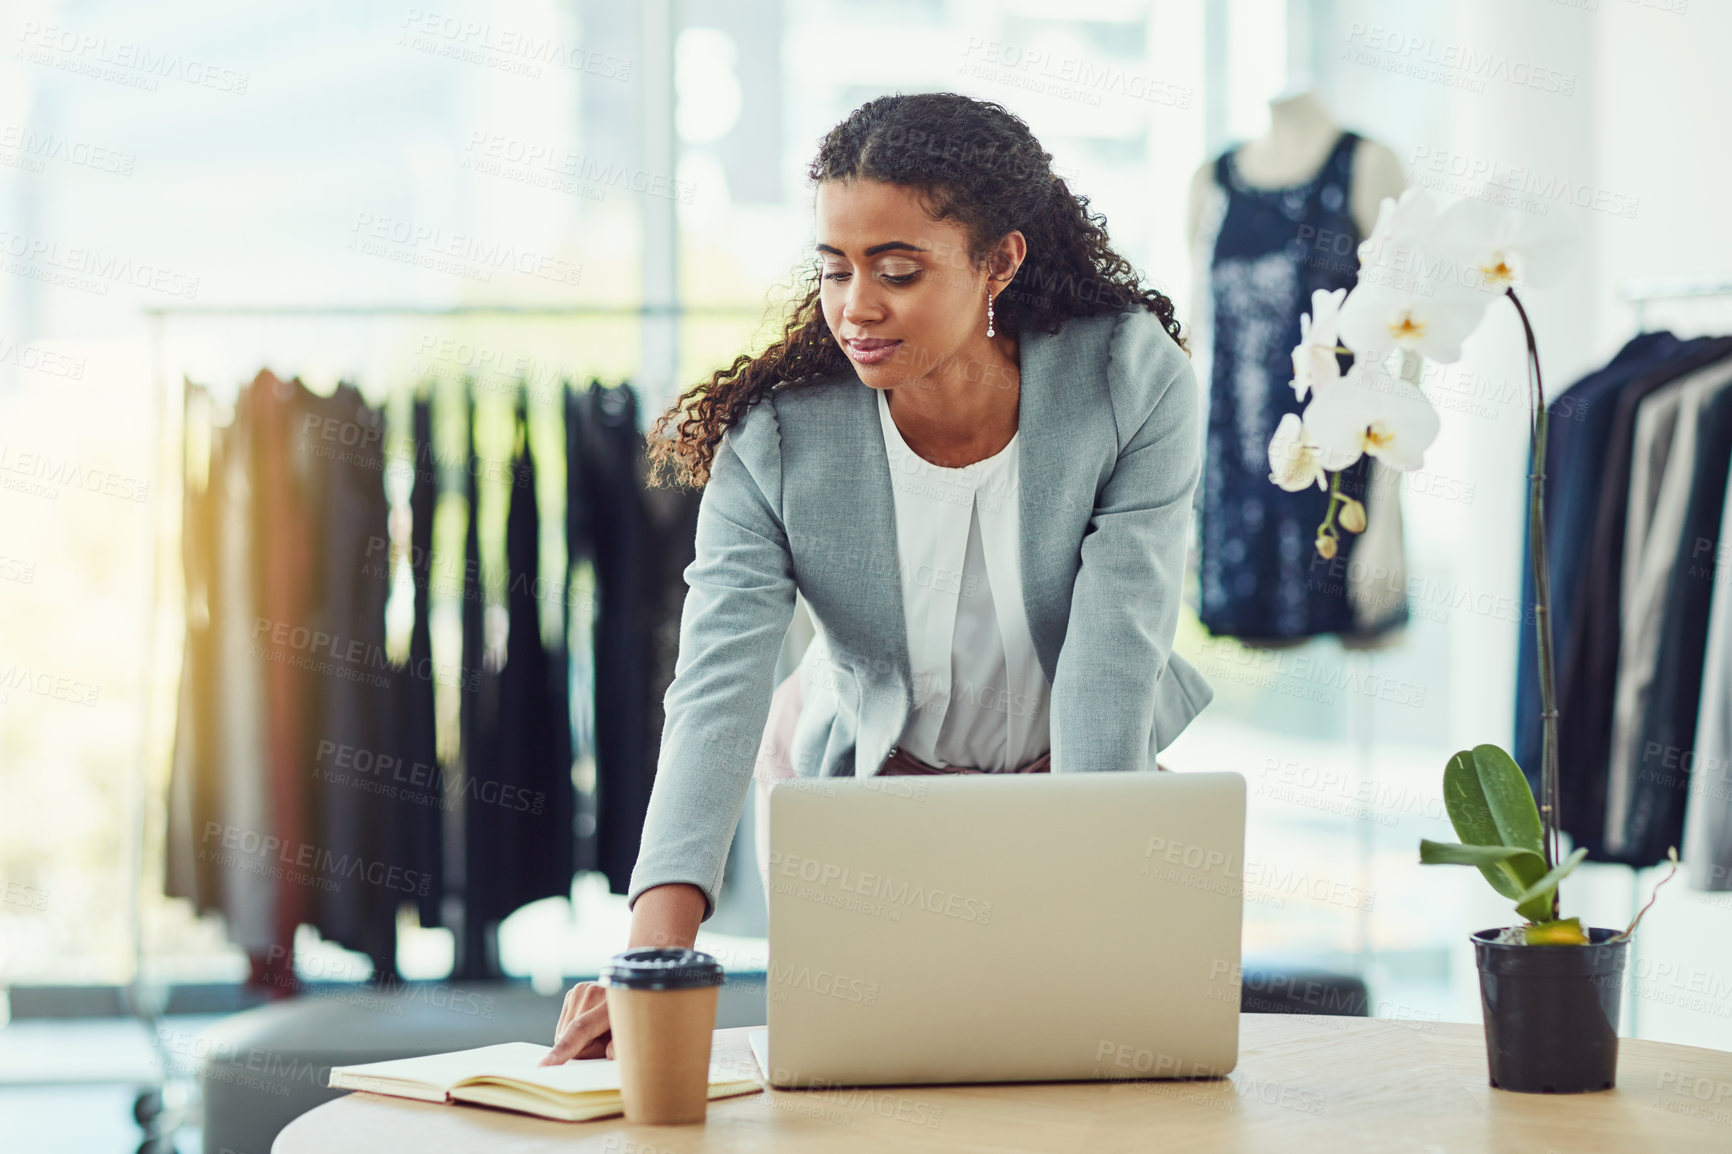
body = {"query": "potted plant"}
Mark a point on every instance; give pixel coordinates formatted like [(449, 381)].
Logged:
[(1549, 989)]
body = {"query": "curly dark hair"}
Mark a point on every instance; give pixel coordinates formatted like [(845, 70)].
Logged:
[(972, 161)]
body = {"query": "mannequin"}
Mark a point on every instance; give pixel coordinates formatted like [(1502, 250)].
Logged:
[(1291, 154), (1298, 138)]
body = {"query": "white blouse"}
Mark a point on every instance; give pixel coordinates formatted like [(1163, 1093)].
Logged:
[(981, 697)]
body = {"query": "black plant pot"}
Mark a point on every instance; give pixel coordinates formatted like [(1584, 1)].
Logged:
[(1551, 1013)]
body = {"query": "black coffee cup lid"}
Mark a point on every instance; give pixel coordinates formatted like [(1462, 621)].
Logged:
[(661, 968)]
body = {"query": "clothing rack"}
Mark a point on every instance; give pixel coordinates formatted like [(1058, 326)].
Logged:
[(159, 1106), (1640, 292), (159, 317)]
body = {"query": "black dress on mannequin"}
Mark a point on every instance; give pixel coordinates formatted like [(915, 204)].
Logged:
[(1261, 578)]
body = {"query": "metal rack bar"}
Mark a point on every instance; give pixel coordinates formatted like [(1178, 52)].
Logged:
[(1640, 290), (359, 310)]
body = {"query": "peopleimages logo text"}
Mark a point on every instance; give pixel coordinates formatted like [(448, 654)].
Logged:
[(306, 863), (880, 887)]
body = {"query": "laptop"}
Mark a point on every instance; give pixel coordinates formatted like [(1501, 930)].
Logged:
[(1004, 928)]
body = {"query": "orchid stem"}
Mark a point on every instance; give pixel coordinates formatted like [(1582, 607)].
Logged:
[(1549, 790), (1336, 499)]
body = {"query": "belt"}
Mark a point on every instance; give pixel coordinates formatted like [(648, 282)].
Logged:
[(900, 761)]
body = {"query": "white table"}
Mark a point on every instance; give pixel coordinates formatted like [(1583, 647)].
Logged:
[(1303, 1084)]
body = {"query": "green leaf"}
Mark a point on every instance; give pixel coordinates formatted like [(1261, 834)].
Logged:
[(1510, 869), (1489, 803), (1451, 853), (1535, 902)]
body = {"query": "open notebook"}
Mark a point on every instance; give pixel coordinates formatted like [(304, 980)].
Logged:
[(507, 1076)]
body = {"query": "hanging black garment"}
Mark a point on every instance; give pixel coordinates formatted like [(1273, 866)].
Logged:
[(195, 780), (579, 541), (517, 797), (1260, 576), (422, 837), (477, 946), (238, 705), (1654, 818), (608, 465), (672, 520), (1587, 685), (1578, 427), (639, 543), (288, 472), (358, 784), (474, 603)]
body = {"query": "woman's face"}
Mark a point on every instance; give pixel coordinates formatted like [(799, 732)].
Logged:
[(899, 291)]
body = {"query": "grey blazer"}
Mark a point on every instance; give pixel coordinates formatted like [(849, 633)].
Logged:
[(799, 498)]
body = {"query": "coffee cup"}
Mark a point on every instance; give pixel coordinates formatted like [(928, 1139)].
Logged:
[(661, 1007)]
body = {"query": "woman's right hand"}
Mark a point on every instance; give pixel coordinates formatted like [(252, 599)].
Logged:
[(664, 915), (583, 1030)]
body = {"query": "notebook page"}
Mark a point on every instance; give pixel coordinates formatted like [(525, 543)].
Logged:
[(594, 1075), (439, 1072), (542, 1103), (579, 1107)]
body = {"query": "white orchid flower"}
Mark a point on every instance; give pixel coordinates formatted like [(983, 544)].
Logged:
[(1408, 295), (1399, 222), (1370, 412), (1314, 363), (1505, 248), (1431, 317), (1293, 464)]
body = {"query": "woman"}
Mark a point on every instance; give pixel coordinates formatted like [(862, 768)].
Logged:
[(990, 534)]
